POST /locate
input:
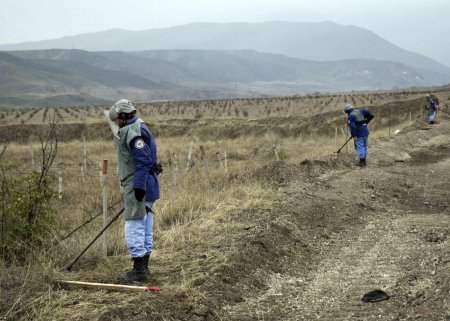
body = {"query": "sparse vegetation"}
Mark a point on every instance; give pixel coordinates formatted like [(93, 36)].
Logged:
[(207, 206), (254, 108)]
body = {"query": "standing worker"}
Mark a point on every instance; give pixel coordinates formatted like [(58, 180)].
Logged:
[(432, 106), (357, 120), (138, 170)]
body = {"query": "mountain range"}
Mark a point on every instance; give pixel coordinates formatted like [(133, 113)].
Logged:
[(202, 60)]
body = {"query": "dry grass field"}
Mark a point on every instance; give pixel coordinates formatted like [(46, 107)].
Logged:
[(216, 222)]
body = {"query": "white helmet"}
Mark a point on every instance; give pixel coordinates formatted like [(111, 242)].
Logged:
[(123, 106)]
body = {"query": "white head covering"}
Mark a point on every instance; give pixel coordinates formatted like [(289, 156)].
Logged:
[(122, 106), (348, 107)]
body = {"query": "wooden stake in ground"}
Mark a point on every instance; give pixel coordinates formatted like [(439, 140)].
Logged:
[(205, 162), (84, 153), (33, 162), (82, 174), (189, 160), (60, 182), (275, 150), (106, 286), (104, 182), (219, 159), (346, 137), (225, 161), (335, 137)]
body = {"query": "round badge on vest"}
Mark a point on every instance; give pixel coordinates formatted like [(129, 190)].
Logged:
[(139, 144)]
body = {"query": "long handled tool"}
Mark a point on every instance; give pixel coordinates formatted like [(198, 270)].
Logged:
[(343, 145), (62, 238), (69, 267), (110, 287)]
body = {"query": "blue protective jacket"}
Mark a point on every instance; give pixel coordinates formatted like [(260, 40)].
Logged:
[(357, 122), (143, 150), (433, 105)]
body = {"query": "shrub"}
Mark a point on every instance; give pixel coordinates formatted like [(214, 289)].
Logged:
[(27, 218), (26, 215)]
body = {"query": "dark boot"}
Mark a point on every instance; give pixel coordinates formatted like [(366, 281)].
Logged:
[(138, 274), (362, 162), (146, 259)]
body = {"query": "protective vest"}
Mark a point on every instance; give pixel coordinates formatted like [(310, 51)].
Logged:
[(360, 119), (127, 168)]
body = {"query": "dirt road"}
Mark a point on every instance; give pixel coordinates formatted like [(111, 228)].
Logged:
[(341, 231)]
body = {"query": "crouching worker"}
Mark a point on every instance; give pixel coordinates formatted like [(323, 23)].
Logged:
[(137, 161), (357, 120)]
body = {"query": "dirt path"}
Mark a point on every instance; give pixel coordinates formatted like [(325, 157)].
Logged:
[(383, 227)]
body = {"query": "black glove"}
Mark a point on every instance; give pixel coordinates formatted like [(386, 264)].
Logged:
[(158, 168), (369, 118), (139, 194)]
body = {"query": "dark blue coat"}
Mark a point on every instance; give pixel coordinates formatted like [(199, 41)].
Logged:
[(356, 118), (144, 153), (433, 107)]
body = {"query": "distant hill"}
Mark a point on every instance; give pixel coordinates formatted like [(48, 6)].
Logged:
[(317, 41), (75, 77)]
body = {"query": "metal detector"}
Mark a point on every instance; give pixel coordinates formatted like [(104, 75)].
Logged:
[(339, 150)]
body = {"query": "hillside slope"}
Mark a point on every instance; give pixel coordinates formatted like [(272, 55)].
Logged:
[(188, 74)]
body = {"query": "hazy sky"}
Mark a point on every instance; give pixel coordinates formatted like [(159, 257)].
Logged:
[(419, 25)]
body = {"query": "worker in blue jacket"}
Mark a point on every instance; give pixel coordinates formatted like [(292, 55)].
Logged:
[(357, 120), (432, 106), (138, 169)]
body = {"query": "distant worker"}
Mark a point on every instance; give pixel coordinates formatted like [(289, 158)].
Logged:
[(432, 107), (357, 120), (138, 170)]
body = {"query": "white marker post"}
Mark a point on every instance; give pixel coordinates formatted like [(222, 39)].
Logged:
[(225, 161), (84, 153), (205, 163), (104, 181), (82, 174), (33, 162), (189, 160), (60, 184), (275, 150)]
